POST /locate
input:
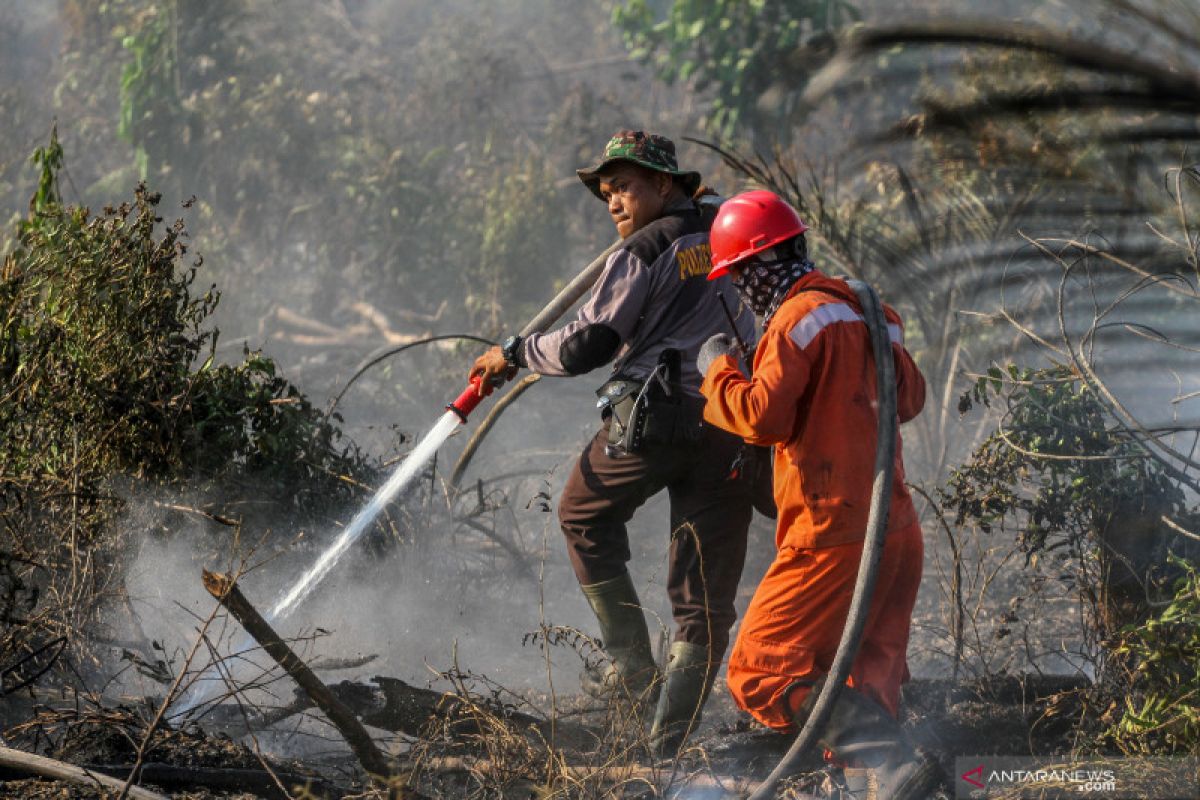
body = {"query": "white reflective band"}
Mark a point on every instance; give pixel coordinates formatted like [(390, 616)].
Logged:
[(823, 316)]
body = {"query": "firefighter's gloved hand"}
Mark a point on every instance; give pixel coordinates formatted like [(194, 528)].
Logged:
[(719, 344)]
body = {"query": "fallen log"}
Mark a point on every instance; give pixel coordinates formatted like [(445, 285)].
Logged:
[(258, 781), (225, 590), (394, 705), (24, 763), (403, 701)]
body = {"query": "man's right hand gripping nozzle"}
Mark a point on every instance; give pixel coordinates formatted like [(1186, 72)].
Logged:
[(497, 365)]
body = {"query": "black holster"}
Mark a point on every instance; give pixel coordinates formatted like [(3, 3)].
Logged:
[(651, 412)]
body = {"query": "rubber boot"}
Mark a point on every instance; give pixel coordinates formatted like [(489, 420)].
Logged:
[(881, 762), (631, 672), (685, 687)]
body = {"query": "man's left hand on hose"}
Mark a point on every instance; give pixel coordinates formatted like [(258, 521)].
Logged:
[(493, 369)]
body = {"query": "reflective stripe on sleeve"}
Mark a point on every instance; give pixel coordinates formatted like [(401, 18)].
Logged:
[(822, 317)]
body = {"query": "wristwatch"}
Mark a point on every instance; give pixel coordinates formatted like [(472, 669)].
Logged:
[(511, 350)]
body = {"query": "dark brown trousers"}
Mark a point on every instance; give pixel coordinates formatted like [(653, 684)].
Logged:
[(710, 514)]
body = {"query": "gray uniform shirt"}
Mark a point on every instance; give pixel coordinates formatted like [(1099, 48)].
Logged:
[(653, 294)]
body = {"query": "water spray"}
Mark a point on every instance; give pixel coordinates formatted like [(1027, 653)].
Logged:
[(456, 414), (404, 475)]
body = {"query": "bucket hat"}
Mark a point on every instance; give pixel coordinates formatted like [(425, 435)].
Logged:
[(645, 149)]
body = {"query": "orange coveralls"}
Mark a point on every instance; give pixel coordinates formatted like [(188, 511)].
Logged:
[(812, 396)]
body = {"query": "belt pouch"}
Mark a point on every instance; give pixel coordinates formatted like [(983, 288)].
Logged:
[(619, 399)]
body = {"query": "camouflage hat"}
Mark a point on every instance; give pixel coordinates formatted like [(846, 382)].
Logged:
[(645, 149)]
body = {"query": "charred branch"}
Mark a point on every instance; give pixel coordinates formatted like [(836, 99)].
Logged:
[(226, 592)]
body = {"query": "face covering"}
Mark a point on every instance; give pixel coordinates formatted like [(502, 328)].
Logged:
[(763, 284)]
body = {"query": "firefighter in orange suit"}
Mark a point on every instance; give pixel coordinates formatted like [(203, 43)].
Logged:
[(813, 397)]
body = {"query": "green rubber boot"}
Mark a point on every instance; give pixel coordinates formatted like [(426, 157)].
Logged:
[(686, 685), (631, 672)]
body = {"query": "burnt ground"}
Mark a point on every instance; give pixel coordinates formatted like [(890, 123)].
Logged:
[(495, 751)]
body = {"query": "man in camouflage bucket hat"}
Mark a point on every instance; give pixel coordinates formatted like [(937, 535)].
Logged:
[(646, 149), (650, 308)]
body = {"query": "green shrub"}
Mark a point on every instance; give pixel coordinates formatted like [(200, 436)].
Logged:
[(1058, 469), (107, 373), (1161, 714)]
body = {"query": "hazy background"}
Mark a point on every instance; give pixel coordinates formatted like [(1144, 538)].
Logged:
[(370, 172)]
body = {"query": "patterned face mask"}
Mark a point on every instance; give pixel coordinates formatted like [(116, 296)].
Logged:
[(763, 284)]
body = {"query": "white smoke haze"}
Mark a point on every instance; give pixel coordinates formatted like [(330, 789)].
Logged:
[(396, 147)]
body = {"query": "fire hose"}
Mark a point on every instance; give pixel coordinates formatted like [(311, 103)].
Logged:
[(562, 302), (868, 568)]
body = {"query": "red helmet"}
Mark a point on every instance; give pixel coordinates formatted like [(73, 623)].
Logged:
[(749, 223)]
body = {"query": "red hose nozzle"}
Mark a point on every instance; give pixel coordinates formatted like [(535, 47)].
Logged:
[(466, 402)]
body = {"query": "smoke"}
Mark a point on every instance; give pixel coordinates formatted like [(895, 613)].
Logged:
[(443, 589)]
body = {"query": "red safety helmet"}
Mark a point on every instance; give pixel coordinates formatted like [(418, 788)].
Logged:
[(749, 223)]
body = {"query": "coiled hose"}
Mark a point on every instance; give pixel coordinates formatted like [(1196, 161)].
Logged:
[(868, 568)]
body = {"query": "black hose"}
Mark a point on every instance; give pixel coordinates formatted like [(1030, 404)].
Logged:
[(868, 568), (566, 297), (569, 295), (388, 352)]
